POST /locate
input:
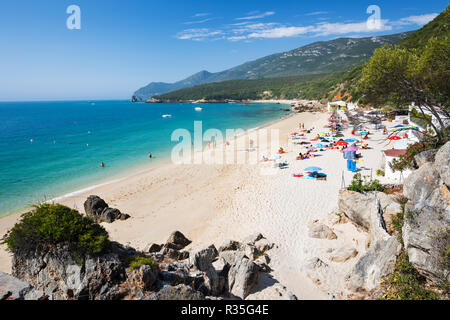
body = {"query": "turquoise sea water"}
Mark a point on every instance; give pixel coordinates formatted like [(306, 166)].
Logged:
[(70, 139)]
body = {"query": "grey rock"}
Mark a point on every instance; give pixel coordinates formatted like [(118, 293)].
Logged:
[(153, 247), (179, 292), (377, 263), (253, 238), (98, 209), (177, 241), (202, 259), (420, 185), (321, 231), (242, 277), (61, 276), (229, 245), (12, 288), (421, 231), (424, 157), (442, 163), (263, 245), (343, 254)]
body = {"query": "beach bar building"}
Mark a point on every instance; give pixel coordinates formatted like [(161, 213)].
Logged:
[(388, 157), (337, 105)]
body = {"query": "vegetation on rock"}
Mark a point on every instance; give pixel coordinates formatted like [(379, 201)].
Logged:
[(135, 262), (51, 224)]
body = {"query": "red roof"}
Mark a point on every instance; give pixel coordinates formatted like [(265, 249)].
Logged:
[(395, 152)]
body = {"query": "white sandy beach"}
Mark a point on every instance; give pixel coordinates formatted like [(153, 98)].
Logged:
[(212, 203)]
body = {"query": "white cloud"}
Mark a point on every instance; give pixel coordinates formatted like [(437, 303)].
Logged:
[(259, 16), (199, 15), (199, 34), (416, 20), (247, 30), (199, 21), (316, 13)]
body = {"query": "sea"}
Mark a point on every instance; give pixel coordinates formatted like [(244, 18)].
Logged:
[(51, 149)]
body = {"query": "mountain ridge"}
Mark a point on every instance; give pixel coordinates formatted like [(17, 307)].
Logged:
[(315, 58)]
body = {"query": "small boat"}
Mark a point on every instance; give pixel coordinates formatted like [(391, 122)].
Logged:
[(198, 109), (167, 116)]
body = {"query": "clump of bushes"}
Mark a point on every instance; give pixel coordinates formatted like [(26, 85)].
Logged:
[(51, 224), (361, 185), (135, 262), (405, 283)]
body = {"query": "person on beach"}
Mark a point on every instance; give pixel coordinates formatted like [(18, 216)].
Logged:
[(102, 164), (150, 155)]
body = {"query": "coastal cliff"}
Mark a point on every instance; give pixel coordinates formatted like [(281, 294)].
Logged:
[(406, 237)]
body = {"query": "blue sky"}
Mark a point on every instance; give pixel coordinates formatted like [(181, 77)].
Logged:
[(123, 45)]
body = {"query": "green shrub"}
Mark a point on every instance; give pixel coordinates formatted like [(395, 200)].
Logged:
[(381, 173), (405, 283), (136, 262), (51, 224), (362, 185)]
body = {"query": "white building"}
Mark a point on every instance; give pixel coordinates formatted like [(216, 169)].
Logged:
[(388, 157)]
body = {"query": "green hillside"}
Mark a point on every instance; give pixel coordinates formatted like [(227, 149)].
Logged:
[(342, 83), (319, 57), (439, 27)]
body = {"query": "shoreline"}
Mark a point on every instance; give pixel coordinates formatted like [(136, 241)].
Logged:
[(141, 169), (137, 170), (211, 203)]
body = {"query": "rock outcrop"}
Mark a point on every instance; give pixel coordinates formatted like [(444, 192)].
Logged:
[(96, 208), (12, 288), (427, 216), (57, 273), (377, 263)]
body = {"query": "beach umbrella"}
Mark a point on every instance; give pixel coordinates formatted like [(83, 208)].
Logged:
[(313, 169), (351, 140), (395, 138), (351, 149), (341, 143), (363, 133), (319, 145)]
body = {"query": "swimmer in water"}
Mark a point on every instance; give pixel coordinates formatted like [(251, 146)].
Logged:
[(102, 165), (150, 155)]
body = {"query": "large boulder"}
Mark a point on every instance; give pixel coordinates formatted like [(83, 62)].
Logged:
[(177, 241), (420, 185), (96, 208), (202, 259), (377, 263), (320, 231), (12, 288), (242, 277), (361, 209), (422, 233)]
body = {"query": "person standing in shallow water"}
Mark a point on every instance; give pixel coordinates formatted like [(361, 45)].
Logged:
[(102, 164), (150, 155)]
